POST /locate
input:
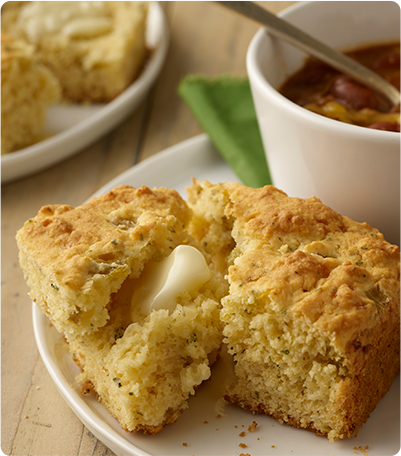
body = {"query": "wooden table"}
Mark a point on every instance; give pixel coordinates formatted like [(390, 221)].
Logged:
[(205, 38)]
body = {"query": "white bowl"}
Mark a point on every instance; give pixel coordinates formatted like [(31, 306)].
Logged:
[(354, 170)]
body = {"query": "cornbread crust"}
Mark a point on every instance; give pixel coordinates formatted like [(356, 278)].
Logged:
[(95, 69), (82, 266), (27, 90), (312, 316)]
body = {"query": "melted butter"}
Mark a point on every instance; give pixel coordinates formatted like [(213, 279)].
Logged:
[(160, 284), (72, 19)]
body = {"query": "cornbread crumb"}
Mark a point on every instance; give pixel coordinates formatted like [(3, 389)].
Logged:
[(243, 445), (185, 444), (253, 426), (28, 88), (86, 388), (242, 434)]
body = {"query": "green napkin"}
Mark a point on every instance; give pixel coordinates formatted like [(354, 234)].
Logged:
[(224, 108)]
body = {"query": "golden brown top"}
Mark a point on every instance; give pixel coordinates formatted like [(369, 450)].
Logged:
[(72, 245)]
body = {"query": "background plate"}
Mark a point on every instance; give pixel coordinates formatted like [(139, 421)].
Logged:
[(73, 127), (204, 432)]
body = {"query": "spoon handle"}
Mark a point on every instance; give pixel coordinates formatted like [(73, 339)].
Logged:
[(310, 45)]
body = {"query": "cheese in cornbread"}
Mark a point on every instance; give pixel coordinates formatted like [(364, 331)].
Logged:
[(312, 318), (92, 270)]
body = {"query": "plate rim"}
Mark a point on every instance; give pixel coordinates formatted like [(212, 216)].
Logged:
[(201, 140)]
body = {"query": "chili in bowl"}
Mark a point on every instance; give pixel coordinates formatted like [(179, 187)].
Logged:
[(324, 90)]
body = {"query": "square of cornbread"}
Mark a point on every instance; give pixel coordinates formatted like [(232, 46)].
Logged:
[(312, 318), (83, 265), (28, 88), (95, 57)]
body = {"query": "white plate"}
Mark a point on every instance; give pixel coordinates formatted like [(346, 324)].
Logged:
[(219, 436), (74, 127)]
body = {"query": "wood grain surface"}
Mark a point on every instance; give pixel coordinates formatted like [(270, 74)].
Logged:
[(35, 418)]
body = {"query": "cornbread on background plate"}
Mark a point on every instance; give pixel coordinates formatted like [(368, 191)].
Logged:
[(312, 318), (28, 88), (95, 49), (84, 266)]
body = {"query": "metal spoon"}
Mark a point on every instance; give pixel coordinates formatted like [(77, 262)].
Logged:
[(312, 46)]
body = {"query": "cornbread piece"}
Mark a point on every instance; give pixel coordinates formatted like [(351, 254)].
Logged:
[(27, 90), (89, 270), (312, 316), (95, 49)]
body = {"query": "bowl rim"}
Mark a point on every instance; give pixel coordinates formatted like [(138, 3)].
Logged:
[(255, 74)]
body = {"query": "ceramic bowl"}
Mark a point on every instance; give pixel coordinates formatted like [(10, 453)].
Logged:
[(354, 170)]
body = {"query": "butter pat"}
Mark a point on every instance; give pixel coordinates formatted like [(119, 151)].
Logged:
[(160, 284), (72, 19)]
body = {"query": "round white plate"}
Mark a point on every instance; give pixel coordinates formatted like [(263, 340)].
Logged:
[(73, 127), (200, 427)]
